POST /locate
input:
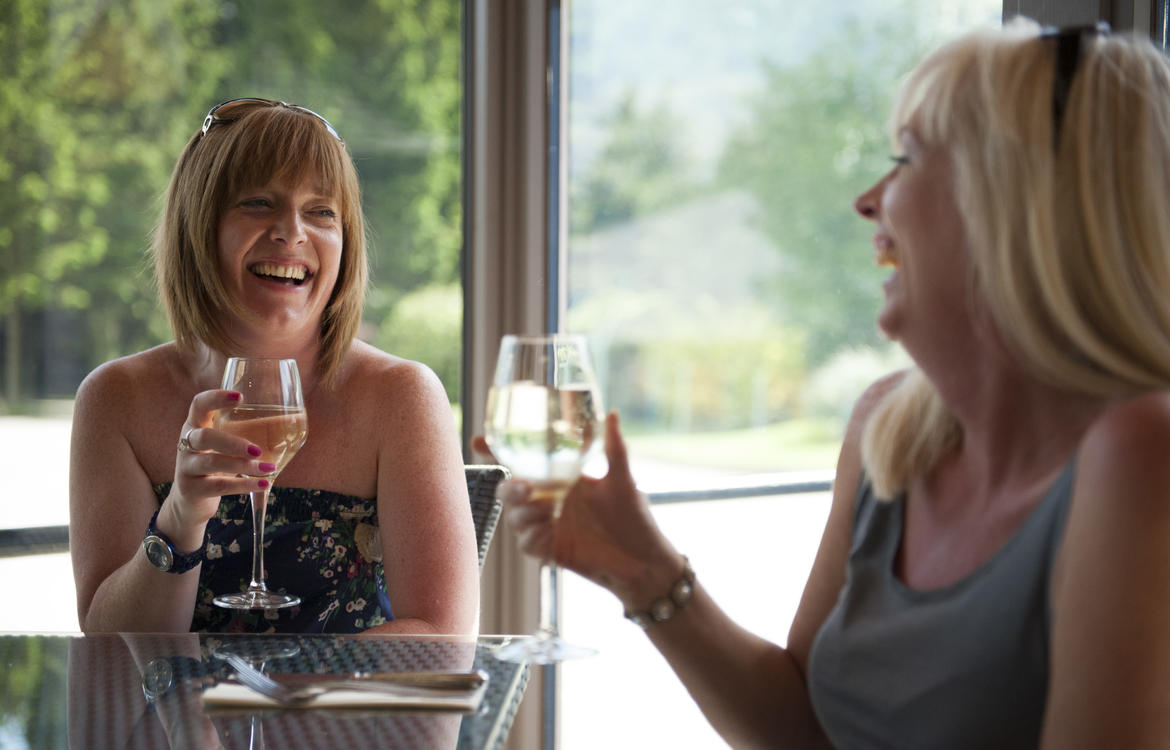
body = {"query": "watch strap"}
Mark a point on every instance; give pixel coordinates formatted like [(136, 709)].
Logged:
[(667, 606), (180, 562)]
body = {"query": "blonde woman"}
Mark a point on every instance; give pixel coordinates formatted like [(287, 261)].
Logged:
[(261, 251), (994, 569)]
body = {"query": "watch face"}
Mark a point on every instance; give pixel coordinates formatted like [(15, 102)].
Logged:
[(158, 552), (157, 678)]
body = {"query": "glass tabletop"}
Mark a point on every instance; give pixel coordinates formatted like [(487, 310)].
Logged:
[(144, 691)]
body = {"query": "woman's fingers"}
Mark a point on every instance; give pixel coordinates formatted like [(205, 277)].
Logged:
[(209, 462), (532, 521), (207, 403), (615, 446)]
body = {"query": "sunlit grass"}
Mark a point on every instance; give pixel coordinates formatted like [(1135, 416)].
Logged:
[(792, 445)]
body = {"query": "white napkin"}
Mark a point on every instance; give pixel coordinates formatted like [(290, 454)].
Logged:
[(232, 695)]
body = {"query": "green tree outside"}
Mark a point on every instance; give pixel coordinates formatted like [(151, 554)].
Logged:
[(98, 102)]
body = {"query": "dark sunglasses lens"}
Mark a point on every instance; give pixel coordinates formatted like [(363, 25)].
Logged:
[(1068, 58)]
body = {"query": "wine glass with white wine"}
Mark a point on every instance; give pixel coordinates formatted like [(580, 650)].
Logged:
[(543, 417), (271, 414)]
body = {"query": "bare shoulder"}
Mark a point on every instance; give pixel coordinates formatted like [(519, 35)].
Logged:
[(126, 379), (393, 396), (1125, 450), (387, 376), (1109, 632), (1121, 492)]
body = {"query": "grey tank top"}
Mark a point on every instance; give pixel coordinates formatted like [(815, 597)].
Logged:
[(963, 666)]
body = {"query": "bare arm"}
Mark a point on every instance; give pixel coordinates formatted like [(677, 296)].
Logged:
[(428, 539), (1110, 648), (111, 501), (752, 691)]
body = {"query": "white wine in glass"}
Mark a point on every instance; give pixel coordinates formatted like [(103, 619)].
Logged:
[(543, 418), (271, 414)]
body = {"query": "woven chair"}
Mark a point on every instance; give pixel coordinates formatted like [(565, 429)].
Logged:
[(485, 506)]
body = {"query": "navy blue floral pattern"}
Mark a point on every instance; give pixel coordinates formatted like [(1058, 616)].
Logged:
[(322, 546)]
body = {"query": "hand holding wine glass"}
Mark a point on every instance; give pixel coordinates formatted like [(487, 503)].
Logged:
[(270, 414), (543, 417)]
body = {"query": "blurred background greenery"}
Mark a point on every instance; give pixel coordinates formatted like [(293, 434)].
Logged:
[(717, 268), (98, 100)]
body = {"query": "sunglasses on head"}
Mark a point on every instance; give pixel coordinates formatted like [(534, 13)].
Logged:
[(1068, 57), (222, 113)]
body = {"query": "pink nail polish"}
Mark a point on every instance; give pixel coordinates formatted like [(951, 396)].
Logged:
[(267, 467), (254, 450), (234, 396), (262, 484)]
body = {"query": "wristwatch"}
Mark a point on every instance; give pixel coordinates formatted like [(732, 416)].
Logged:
[(162, 675), (161, 552), (665, 607), (157, 679)]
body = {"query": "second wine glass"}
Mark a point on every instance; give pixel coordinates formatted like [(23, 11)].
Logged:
[(543, 418), (271, 414)]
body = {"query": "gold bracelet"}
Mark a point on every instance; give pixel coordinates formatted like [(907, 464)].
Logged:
[(665, 607)]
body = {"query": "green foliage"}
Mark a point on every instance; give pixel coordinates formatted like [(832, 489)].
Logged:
[(748, 297), (427, 325), (98, 100), (832, 389), (697, 384), (33, 669), (641, 168), (816, 138), (88, 116)]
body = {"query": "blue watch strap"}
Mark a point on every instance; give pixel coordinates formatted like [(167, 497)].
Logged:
[(179, 562)]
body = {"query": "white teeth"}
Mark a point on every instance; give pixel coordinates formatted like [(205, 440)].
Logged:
[(885, 255), (296, 273)]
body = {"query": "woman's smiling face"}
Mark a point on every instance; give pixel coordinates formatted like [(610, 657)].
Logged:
[(919, 233), (280, 249)]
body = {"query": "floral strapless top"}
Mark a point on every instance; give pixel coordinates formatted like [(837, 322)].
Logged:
[(321, 546)]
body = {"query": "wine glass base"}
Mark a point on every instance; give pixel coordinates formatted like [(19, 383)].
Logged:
[(256, 600), (257, 650), (542, 648)]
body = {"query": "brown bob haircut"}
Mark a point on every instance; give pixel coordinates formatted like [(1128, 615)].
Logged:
[(263, 143)]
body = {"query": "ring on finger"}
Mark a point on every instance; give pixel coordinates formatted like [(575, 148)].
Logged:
[(185, 441)]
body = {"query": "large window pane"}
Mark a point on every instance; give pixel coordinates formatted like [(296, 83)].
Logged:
[(730, 292), (97, 102)]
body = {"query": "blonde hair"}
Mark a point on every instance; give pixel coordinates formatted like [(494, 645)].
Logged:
[(1069, 240), (264, 143)]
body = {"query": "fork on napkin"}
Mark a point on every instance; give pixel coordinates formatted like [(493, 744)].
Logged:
[(434, 691)]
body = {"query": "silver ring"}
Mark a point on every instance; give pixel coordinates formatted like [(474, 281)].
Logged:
[(185, 442)]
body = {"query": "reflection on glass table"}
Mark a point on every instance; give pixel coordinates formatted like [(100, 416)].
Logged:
[(144, 691)]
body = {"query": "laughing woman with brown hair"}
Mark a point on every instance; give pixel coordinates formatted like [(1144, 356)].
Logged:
[(260, 251)]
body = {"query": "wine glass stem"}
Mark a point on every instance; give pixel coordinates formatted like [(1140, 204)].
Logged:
[(256, 736), (550, 605), (259, 511)]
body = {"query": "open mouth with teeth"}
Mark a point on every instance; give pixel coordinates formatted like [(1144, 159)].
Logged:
[(290, 275), (884, 253)]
